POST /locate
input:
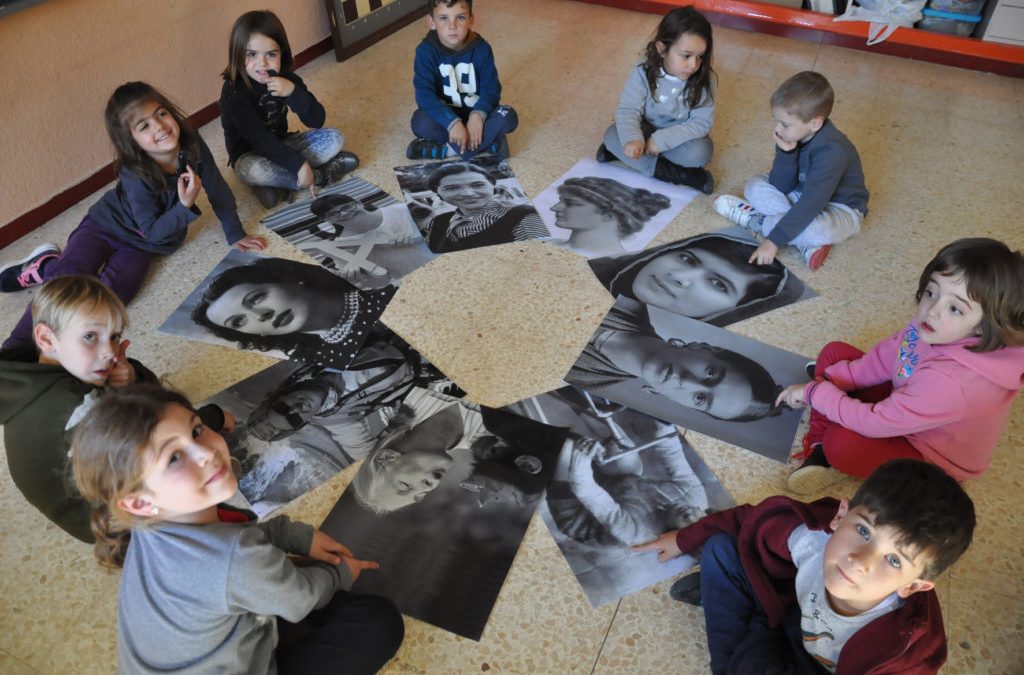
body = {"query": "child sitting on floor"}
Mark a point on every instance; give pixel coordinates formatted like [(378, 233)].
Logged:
[(790, 587), (815, 194), (457, 89), (940, 389)]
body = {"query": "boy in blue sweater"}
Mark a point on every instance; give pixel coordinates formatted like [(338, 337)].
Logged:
[(815, 194), (457, 89)]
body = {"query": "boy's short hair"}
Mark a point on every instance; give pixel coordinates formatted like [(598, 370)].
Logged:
[(994, 275), (60, 298), (433, 4), (806, 95), (931, 512)]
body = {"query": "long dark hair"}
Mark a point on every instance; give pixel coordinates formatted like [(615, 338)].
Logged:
[(267, 271), (263, 22), (128, 154), (678, 22), (110, 454)]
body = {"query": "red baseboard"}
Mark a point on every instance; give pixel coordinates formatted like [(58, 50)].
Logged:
[(61, 202), (949, 50)]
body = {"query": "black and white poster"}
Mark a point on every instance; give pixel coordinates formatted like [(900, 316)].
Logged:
[(297, 425), (705, 277), (459, 205), (598, 209), (442, 503), (356, 230), (696, 375), (283, 308), (626, 479)]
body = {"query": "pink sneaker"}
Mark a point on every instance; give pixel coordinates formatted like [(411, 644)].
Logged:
[(28, 271), (815, 255)]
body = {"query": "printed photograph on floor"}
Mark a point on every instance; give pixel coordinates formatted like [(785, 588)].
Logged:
[(442, 503), (705, 277), (297, 425), (459, 205), (280, 308), (356, 230), (693, 374), (626, 479), (597, 209)]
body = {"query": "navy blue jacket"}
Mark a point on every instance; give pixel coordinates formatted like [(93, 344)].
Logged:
[(448, 81)]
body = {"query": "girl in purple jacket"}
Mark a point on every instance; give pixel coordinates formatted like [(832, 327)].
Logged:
[(939, 390)]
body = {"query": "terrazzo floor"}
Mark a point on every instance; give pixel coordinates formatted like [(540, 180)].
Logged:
[(941, 148)]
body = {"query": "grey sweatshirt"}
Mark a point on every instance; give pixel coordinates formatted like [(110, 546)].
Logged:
[(674, 121), (202, 598)]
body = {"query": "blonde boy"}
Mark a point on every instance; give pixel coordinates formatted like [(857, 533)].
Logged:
[(815, 194)]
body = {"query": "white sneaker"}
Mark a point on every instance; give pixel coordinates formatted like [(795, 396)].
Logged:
[(740, 212)]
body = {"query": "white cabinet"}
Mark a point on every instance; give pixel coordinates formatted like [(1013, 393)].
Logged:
[(1005, 22)]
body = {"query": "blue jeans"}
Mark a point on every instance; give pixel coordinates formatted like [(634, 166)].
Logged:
[(740, 641), (691, 154), (502, 120), (317, 146)]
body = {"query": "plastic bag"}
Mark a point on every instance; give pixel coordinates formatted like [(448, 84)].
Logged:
[(885, 16)]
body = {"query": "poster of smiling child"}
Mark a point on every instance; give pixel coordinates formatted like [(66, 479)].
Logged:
[(599, 209), (282, 308), (693, 374), (443, 502), (705, 277), (630, 478), (459, 205), (357, 231)]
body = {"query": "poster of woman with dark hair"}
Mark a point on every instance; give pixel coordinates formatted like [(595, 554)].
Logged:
[(462, 205), (284, 308), (705, 277), (694, 374)]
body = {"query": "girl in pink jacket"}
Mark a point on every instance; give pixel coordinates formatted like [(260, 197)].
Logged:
[(938, 390)]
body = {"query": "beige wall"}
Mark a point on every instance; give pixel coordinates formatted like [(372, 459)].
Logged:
[(63, 58)]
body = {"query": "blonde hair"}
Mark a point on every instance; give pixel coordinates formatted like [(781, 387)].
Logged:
[(111, 451), (61, 298)]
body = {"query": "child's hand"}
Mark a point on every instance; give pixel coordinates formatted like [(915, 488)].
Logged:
[(665, 545), (251, 242), (765, 253), (306, 179), (634, 149), (281, 87), (650, 148), (459, 136), (189, 184), (122, 373), (792, 396), (355, 566), (475, 127), (325, 549), (785, 146)]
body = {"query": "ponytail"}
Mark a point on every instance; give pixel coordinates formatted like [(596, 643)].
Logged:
[(111, 539)]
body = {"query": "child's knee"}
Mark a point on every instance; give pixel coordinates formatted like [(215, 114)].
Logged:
[(756, 185)]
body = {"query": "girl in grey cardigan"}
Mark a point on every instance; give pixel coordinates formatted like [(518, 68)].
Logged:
[(667, 106), (203, 589)]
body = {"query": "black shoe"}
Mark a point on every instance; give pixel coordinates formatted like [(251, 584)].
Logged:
[(687, 589), (603, 155), (696, 178), (499, 148), (336, 167), (267, 195), (424, 148)]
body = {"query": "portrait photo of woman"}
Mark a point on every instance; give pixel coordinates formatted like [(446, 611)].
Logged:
[(282, 307), (463, 205), (706, 277), (693, 374)]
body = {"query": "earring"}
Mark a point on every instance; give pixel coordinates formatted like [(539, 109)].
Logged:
[(153, 510)]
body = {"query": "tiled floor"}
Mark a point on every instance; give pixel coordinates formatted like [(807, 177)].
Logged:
[(942, 151)]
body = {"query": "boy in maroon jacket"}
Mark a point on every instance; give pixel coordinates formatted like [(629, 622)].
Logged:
[(842, 587)]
